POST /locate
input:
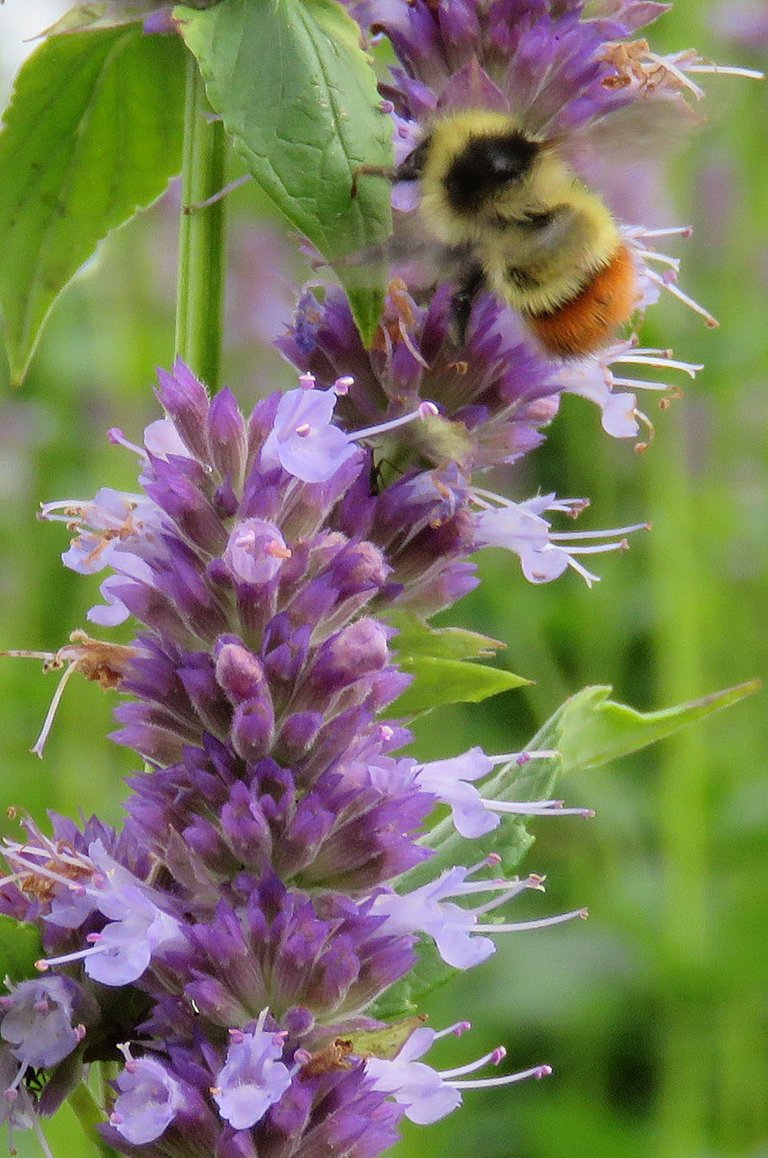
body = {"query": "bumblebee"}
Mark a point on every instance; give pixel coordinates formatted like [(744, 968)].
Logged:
[(511, 216)]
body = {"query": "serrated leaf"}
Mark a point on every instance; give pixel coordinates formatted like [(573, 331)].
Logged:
[(298, 97), (93, 133), (438, 682), (417, 637), (588, 730), (76, 19), (105, 14), (20, 947)]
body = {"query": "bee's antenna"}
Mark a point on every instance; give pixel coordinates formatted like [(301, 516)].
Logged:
[(219, 195)]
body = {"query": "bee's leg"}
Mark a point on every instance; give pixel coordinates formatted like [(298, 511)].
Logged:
[(470, 285), (408, 170), (413, 166), (388, 171)]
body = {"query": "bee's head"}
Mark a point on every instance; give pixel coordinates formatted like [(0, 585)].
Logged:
[(477, 165), (487, 165)]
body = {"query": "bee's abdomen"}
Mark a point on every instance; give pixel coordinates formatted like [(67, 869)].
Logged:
[(588, 320)]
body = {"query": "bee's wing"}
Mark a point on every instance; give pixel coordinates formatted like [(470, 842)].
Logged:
[(418, 260), (650, 127), (621, 154)]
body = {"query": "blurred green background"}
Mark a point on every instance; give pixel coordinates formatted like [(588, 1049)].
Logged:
[(654, 1013)]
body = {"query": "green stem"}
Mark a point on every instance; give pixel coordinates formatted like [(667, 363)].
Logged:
[(89, 1114), (202, 253), (682, 595)]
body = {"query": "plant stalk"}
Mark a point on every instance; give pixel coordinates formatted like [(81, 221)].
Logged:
[(89, 1114), (202, 250)]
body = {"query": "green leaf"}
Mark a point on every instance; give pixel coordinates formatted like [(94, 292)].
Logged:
[(436, 657), (298, 97), (76, 19), (416, 637), (587, 730), (386, 1042), (92, 134), (450, 681), (20, 947)]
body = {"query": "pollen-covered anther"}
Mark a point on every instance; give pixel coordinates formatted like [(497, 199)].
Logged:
[(572, 508), (256, 551), (438, 520), (397, 322), (41, 881), (278, 550), (341, 386), (397, 291), (624, 56), (98, 660)]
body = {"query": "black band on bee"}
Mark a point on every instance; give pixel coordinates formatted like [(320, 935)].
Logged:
[(484, 166), (534, 220), (521, 279)]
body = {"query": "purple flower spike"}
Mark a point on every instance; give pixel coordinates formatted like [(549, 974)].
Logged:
[(285, 871), (259, 864)]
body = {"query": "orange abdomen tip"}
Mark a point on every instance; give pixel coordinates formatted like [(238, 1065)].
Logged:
[(589, 320)]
